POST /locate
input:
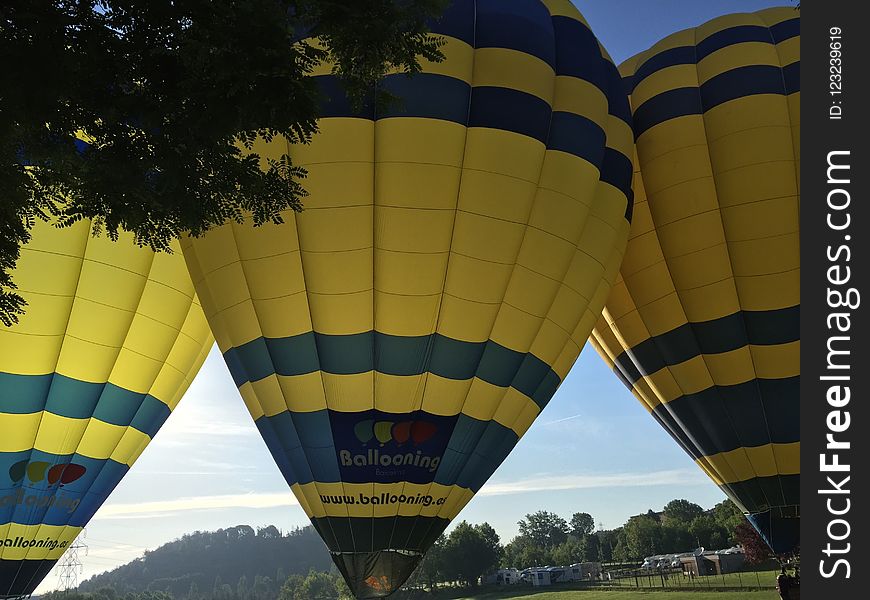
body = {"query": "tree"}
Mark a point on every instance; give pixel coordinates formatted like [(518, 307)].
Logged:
[(491, 543), (544, 528), (676, 537), (242, 588), (682, 510), (268, 532), (470, 552), (729, 517), (582, 524), (141, 114), (593, 549), (319, 586), (702, 529), (643, 536), (522, 552), (193, 592), (291, 588), (572, 550), (431, 568), (607, 540)]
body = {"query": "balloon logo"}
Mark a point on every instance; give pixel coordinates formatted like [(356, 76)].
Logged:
[(418, 432), (39, 470)]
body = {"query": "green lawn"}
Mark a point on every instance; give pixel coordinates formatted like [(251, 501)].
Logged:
[(603, 594), (628, 595)]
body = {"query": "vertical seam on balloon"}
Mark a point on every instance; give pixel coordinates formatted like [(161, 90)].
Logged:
[(103, 390), (319, 372), (797, 189), (722, 400), (33, 509), (374, 293), (447, 267), (186, 379)]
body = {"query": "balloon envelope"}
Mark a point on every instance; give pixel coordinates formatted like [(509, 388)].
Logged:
[(703, 324), (112, 337), (395, 339)]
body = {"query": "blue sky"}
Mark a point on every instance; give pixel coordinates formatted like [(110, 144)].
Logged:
[(594, 448)]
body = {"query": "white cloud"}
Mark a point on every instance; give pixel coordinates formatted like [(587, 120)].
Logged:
[(546, 483), (146, 510)]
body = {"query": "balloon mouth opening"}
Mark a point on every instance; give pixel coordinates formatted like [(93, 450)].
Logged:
[(376, 574)]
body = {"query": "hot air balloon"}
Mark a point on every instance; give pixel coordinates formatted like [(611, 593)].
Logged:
[(703, 324), (111, 339), (395, 339)]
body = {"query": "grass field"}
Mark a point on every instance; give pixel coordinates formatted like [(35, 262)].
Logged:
[(593, 594)]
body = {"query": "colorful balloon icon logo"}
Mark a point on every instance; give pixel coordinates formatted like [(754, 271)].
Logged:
[(417, 432), (39, 470)]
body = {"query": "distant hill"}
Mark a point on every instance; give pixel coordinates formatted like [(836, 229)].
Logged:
[(227, 563)]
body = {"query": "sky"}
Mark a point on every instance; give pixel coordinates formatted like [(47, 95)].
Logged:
[(593, 449)]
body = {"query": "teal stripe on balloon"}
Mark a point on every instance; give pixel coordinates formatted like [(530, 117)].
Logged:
[(68, 397), (393, 355)]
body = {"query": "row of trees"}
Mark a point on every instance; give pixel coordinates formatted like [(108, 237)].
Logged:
[(240, 563), (545, 538)]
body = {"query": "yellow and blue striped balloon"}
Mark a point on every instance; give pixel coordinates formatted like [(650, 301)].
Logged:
[(395, 339), (111, 339), (704, 323)]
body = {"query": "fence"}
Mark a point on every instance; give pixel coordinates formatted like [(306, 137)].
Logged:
[(676, 579)]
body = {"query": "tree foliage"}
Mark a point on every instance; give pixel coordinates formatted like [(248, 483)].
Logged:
[(582, 524), (682, 510), (246, 562), (544, 528), (241, 563), (469, 552), (141, 115)]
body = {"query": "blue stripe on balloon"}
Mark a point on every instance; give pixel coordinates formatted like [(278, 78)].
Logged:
[(393, 355), (579, 55), (457, 21), (730, 85), (716, 336), (68, 397), (792, 76), (577, 135), (510, 110), (689, 55), (616, 169), (522, 25), (724, 418), (427, 95)]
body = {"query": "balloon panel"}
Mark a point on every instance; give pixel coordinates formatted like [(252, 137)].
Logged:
[(454, 253), (111, 339), (703, 324)]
